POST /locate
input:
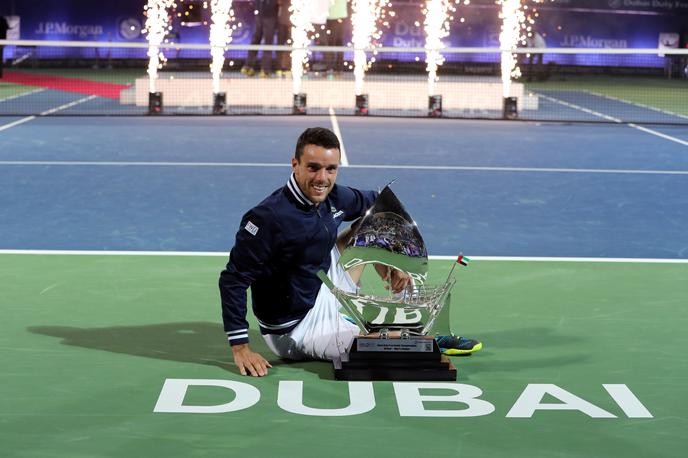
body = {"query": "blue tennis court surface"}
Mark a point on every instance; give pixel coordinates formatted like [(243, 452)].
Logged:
[(486, 188)]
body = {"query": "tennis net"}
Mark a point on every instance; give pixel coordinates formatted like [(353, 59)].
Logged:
[(44, 78)]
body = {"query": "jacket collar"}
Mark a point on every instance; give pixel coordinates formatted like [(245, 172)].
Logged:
[(295, 191)]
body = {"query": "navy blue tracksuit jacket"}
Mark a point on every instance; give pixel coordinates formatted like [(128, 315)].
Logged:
[(281, 245)]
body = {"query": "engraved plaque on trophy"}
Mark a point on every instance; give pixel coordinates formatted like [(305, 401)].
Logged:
[(395, 342)]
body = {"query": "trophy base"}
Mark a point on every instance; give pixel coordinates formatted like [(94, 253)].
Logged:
[(395, 359)]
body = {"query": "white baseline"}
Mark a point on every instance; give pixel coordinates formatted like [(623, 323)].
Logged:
[(434, 258), (439, 168)]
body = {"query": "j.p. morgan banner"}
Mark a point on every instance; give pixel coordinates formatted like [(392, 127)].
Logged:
[(563, 21), (612, 24)]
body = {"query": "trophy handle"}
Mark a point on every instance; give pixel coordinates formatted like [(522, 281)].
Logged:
[(352, 313), (441, 325), (325, 279)]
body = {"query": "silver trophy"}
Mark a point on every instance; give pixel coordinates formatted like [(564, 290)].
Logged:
[(396, 341)]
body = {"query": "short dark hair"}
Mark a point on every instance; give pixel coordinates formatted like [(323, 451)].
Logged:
[(318, 136)]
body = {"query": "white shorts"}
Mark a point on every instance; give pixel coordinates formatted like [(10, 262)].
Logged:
[(323, 333)]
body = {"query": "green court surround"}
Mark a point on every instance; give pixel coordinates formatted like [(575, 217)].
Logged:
[(88, 341)]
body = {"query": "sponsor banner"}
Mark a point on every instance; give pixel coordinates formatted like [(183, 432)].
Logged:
[(76, 19), (122, 21), (657, 6), (621, 6), (560, 29), (564, 23)]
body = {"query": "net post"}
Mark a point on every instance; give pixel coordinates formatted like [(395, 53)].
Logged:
[(154, 103), (435, 106), (220, 103), (300, 104), (510, 108), (362, 105)]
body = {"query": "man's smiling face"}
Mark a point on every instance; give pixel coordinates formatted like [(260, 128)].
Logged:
[(316, 171)]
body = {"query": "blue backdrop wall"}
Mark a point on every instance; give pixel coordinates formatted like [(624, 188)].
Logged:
[(563, 23)]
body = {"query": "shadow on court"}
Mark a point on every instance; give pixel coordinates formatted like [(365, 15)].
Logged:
[(203, 343), (528, 338), (196, 342), (521, 350)]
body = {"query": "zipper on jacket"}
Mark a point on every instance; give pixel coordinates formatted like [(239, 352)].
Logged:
[(324, 223)]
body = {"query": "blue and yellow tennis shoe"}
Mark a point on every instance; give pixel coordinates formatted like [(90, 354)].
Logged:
[(454, 346)]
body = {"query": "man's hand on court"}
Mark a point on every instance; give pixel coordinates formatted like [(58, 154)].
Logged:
[(249, 362)]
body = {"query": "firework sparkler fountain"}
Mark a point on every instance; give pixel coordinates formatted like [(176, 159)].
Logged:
[(157, 25), (300, 28), (365, 17), (436, 24), (513, 19), (220, 36)]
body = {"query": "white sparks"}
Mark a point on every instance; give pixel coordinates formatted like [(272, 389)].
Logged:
[(156, 28), (300, 28), (518, 20), (512, 17), (436, 28), (220, 36), (364, 19)]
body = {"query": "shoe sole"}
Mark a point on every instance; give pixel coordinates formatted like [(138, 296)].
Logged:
[(457, 352)]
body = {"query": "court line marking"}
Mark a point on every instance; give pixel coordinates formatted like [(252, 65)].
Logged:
[(335, 127), (434, 258), (67, 105), (613, 119), (580, 108), (355, 166), (641, 105), (47, 112), (16, 96), (659, 134), (564, 259), (16, 123), (522, 169)]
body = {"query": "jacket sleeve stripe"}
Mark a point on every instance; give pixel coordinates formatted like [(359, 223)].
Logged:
[(278, 326), (241, 336)]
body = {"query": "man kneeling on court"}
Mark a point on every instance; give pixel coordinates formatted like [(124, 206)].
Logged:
[(281, 245)]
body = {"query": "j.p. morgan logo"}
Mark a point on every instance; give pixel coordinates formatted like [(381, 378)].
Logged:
[(588, 41), (64, 28), (413, 400)]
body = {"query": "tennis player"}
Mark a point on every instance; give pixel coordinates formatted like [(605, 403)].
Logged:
[(281, 245)]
